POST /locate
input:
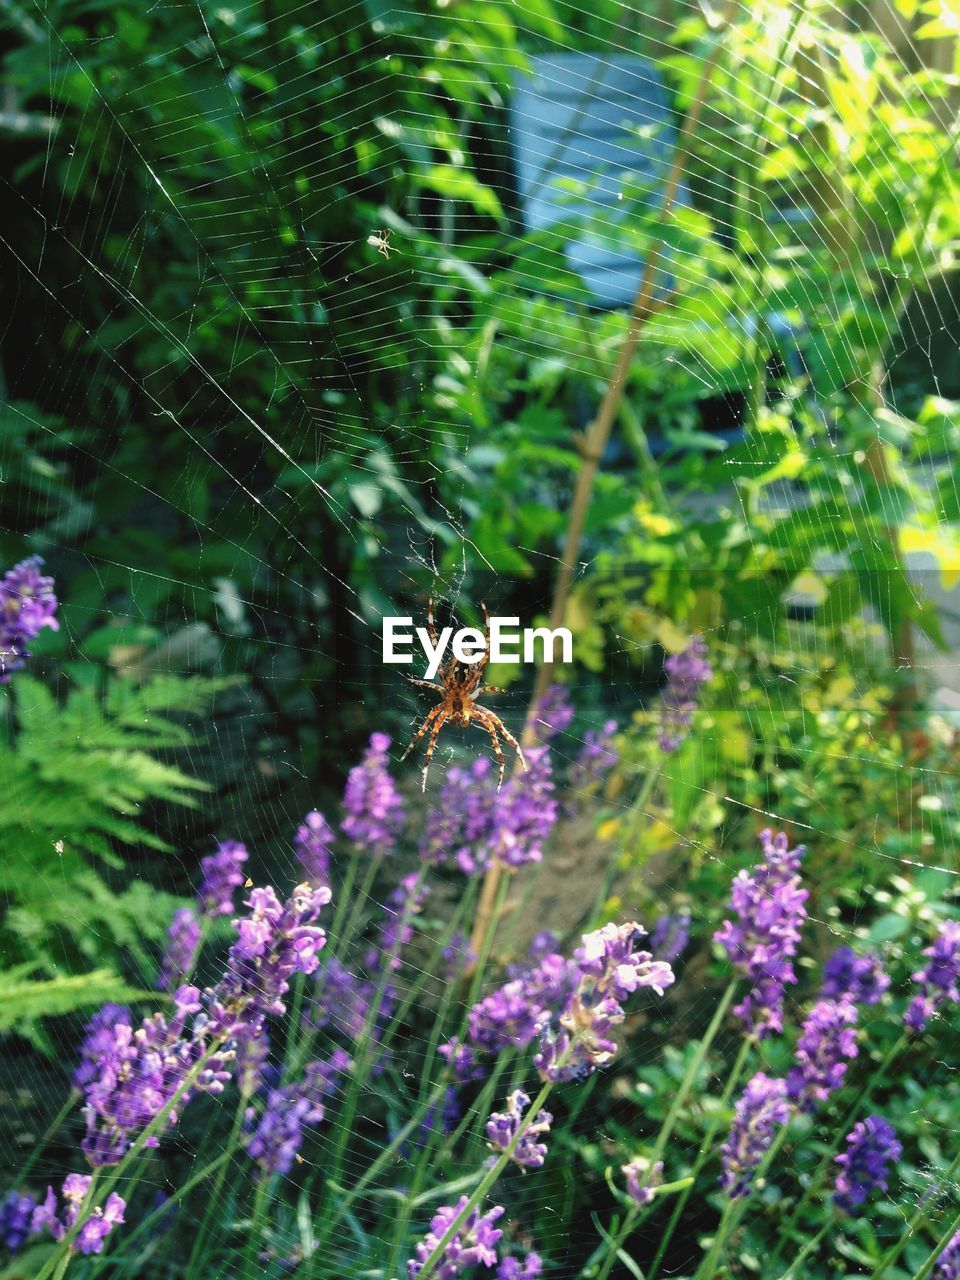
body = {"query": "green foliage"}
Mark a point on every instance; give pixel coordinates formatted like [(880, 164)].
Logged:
[(25, 1001), (79, 774)]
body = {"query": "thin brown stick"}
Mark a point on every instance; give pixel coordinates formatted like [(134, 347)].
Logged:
[(597, 435)]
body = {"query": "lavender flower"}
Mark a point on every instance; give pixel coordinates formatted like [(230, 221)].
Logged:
[(670, 936), (760, 1110), (374, 810), (611, 969), (553, 712), (871, 1146), (16, 1211), (514, 1269), (938, 978), (642, 1180), (526, 813), (859, 979), (686, 673), (183, 943), (503, 1127), (474, 1245), (277, 1138), (596, 758), (405, 902), (222, 873), (312, 845), (252, 1056), (98, 1040), (516, 1012), (829, 1038), (769, 907), (137, 1074), (461, 823), (948, 1264), (27, 605), (343, 1000), (275, 941), (95, 1227)]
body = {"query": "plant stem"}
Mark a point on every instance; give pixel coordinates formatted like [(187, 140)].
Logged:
[(213, 1203), (702, 1155), (938, 1248), (124, 1260), (918, 1219), (693, 1070), (807, 1249), (51, 1129), (256, 1228), (610, 875), (617, 1243), (346, 1200), (486, 1182), (735, 1209)]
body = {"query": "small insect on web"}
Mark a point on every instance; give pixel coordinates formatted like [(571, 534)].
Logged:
[(458, 689), (380, 240)]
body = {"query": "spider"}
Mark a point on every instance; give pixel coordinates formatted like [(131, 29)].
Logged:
[(380, 240), (459, 687)]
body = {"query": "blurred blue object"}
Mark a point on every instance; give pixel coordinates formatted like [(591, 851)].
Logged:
[(585, 128)]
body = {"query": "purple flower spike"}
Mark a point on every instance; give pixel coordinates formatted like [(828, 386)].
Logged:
[(513, 1269), (596, 758), (95, 1227), (474, 1245), (27, 605), (279, 1133), (871, 1146), (374, 811), (312, 845), (759, 1112), (611, 969), (515, 1013), (503, 1126), (937, 979), (16, 1212), (222, 873), (460, 825), (98, 1040), (686, 672), (948, 1264), (553, 713), (642, 1180), (829, 1039), (859, 979), (183, 943), (769, 905), (526, 813), (670, 936)]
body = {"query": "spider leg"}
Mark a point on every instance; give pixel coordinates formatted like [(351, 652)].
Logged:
[(486, 715), (489, 688), (490, 723), (430, 717), (510, 738), (425, 684), (432, 743)]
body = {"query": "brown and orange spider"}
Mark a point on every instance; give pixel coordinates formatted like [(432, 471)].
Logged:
[(459, 687)]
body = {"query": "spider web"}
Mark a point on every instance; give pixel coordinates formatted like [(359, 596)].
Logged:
[(303, 564)]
